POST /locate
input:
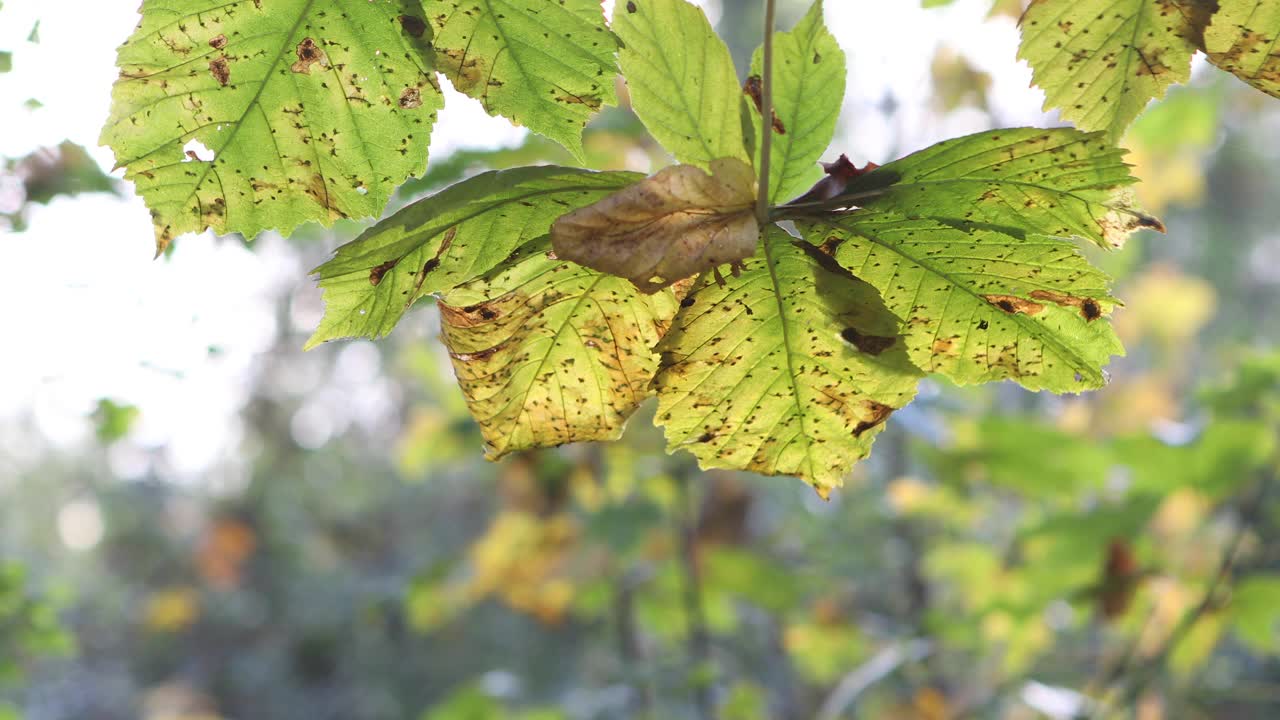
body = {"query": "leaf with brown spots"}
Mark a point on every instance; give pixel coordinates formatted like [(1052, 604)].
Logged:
[(549, 352), (980, 304), (808, 90), (443, 240), (1059, 182), (668, 227), (791, 368), (1101, 61), (300, 102), (545, 65), (1244, 39), (681, 79)]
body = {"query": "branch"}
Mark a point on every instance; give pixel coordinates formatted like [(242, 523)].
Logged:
[(1133, 686), (766, 114), (629, 644), (870, 673), (699, 638)]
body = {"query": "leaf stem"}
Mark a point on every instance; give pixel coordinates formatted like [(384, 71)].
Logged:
[(766, 113)]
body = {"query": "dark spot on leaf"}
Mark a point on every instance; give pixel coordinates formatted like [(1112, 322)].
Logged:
[(878, 413), (755, 90), (706, 437), (869, 344), (1089, 308), (687, 302), (411, 98), (218, 42), (413, 25), (631, 7), (221, 70), (376, 274), (309, 54), (1013, 304)]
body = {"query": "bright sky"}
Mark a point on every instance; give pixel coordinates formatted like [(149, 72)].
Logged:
[(89, 314)]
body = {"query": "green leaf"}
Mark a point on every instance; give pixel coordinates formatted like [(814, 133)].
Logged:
[(980, 304), (1244, 39), (6, 61), (443, 240), (790, 368), (544, 65), (1255, 612), (310, 110), (1058, 182), (808, 89), (549, 352), (681, 77), (1101, 61), (113, 420)]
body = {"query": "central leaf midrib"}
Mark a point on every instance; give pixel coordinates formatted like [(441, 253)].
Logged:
[(266, 79), (770, 263)]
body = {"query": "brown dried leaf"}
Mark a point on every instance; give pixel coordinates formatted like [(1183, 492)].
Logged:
[(667, 227)]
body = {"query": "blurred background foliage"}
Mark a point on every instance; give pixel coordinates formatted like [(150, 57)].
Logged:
[(1002, 554)]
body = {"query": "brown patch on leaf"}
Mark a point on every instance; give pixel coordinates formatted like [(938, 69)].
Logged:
[(309, 54), (1014, 305), (466, 71), (944, 346), (869, 344), (218, 42), (411, 98), (469, 316), (631, 7), (413, 25), (877, 413), (1089, 308), (754, 88), (667, 227), (376, 274), (1122, 219), (221, 70), (592, 102)]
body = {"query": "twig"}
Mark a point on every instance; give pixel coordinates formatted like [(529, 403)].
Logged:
[(766, 114), (1136, 683), (699, 638), (871, 672), (629, 644)]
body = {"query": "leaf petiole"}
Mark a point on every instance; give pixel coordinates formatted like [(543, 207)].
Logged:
[(766, 112)]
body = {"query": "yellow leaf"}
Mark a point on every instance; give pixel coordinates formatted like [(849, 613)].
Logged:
[(172, 610)]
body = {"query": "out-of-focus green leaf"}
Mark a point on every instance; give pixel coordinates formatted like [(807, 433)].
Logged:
[(752, 577), (1187, 119), (1255, 613), (113, 420)]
